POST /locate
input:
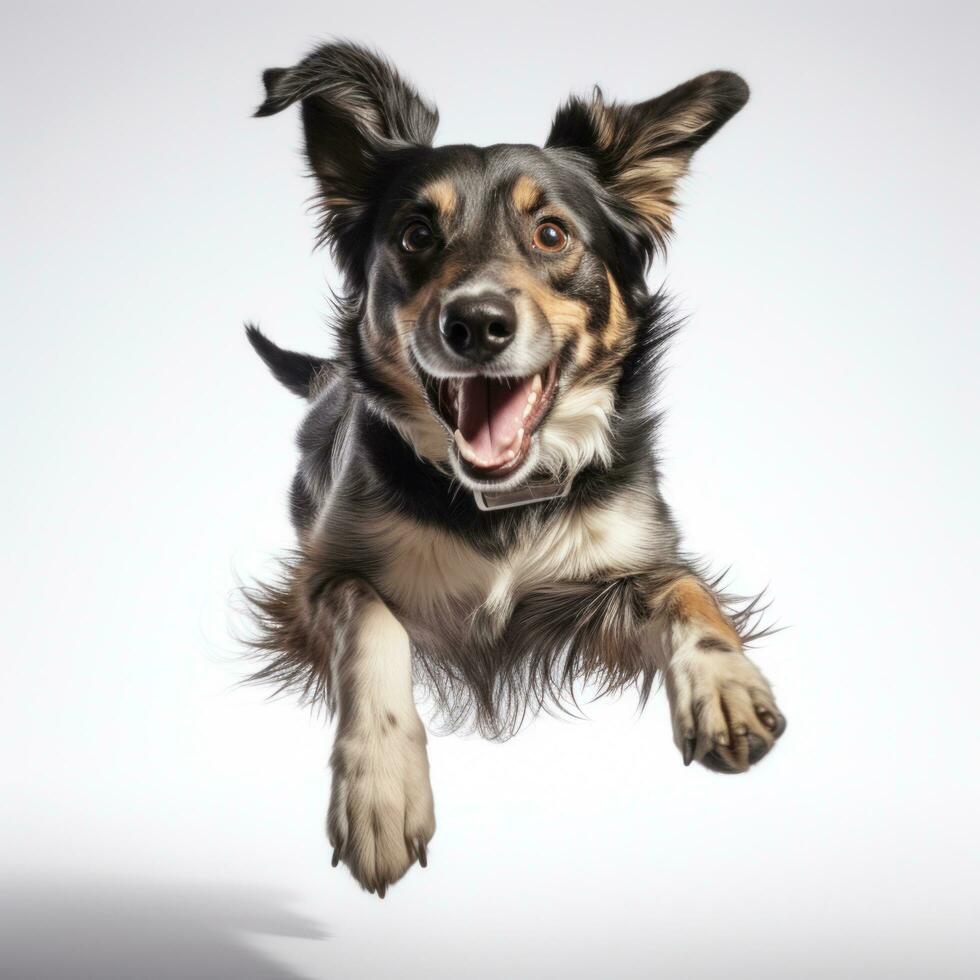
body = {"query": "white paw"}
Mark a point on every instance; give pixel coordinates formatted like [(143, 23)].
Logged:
[(381, 816), (723, 711)]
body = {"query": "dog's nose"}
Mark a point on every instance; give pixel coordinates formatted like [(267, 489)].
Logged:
[(478, 327)]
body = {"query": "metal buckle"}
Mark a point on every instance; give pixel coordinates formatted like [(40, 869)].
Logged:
[(530, 493)]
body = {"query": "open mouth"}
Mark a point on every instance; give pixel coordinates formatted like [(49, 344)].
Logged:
[(493, 419)]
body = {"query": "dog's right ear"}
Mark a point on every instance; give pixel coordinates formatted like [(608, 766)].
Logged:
[(356, 111)]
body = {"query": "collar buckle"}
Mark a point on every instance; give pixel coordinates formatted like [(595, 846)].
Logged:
[(530, 493)]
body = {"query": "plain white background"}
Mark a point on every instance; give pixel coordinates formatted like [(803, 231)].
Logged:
[(159, 821)]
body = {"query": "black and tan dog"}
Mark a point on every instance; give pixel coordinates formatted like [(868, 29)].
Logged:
[(477, 501)]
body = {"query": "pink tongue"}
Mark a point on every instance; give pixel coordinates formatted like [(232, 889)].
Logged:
[(491, 411)]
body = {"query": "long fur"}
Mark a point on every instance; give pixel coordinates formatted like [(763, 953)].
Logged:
[(365, 482), (496, 293), (559, 638)]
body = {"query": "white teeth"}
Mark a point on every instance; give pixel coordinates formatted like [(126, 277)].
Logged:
[(518, 438), (532, 396)]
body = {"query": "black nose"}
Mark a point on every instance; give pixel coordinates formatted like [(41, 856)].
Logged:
[(478, 327)]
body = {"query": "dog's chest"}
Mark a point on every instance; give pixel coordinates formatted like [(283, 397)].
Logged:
[(441, 583)]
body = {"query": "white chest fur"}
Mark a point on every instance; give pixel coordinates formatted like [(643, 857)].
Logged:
[(431, 574)]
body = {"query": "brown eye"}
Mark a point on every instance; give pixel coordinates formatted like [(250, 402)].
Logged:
[(550, 237), (416, 237)]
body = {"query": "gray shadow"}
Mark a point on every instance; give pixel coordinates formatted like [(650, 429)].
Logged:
[(104, 928)]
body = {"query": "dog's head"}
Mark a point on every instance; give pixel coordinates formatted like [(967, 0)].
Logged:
[(494, 288)]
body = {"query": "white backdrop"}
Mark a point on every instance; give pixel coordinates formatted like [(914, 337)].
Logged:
[(159, 821)]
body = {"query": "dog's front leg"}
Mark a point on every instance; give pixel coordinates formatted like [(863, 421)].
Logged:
[(723, 711), (381, 816)]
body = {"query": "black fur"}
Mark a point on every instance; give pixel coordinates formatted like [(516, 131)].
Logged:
[(368, 137), (495, 336), (300, 373), (360, 119)]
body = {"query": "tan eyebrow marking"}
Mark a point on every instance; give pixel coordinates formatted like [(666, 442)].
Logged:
[(526, 194), (442, 195)]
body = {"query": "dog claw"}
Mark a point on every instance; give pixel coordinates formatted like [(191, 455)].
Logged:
[(382, 890), (757, 748), (688, 750), (335, 859), (776, 723), (423, 855)]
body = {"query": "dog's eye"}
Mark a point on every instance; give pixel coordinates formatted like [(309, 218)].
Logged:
[(550, 237), (416, 236)]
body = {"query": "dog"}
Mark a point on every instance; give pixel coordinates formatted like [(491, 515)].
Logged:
[(477, 502)]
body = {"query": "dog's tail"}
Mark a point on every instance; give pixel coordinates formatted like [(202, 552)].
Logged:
[(302, 374)]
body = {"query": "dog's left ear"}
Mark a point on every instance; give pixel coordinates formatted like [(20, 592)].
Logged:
[(641, 151), (357, 113)]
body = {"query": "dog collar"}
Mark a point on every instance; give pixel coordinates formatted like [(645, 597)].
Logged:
[(531, 493)]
